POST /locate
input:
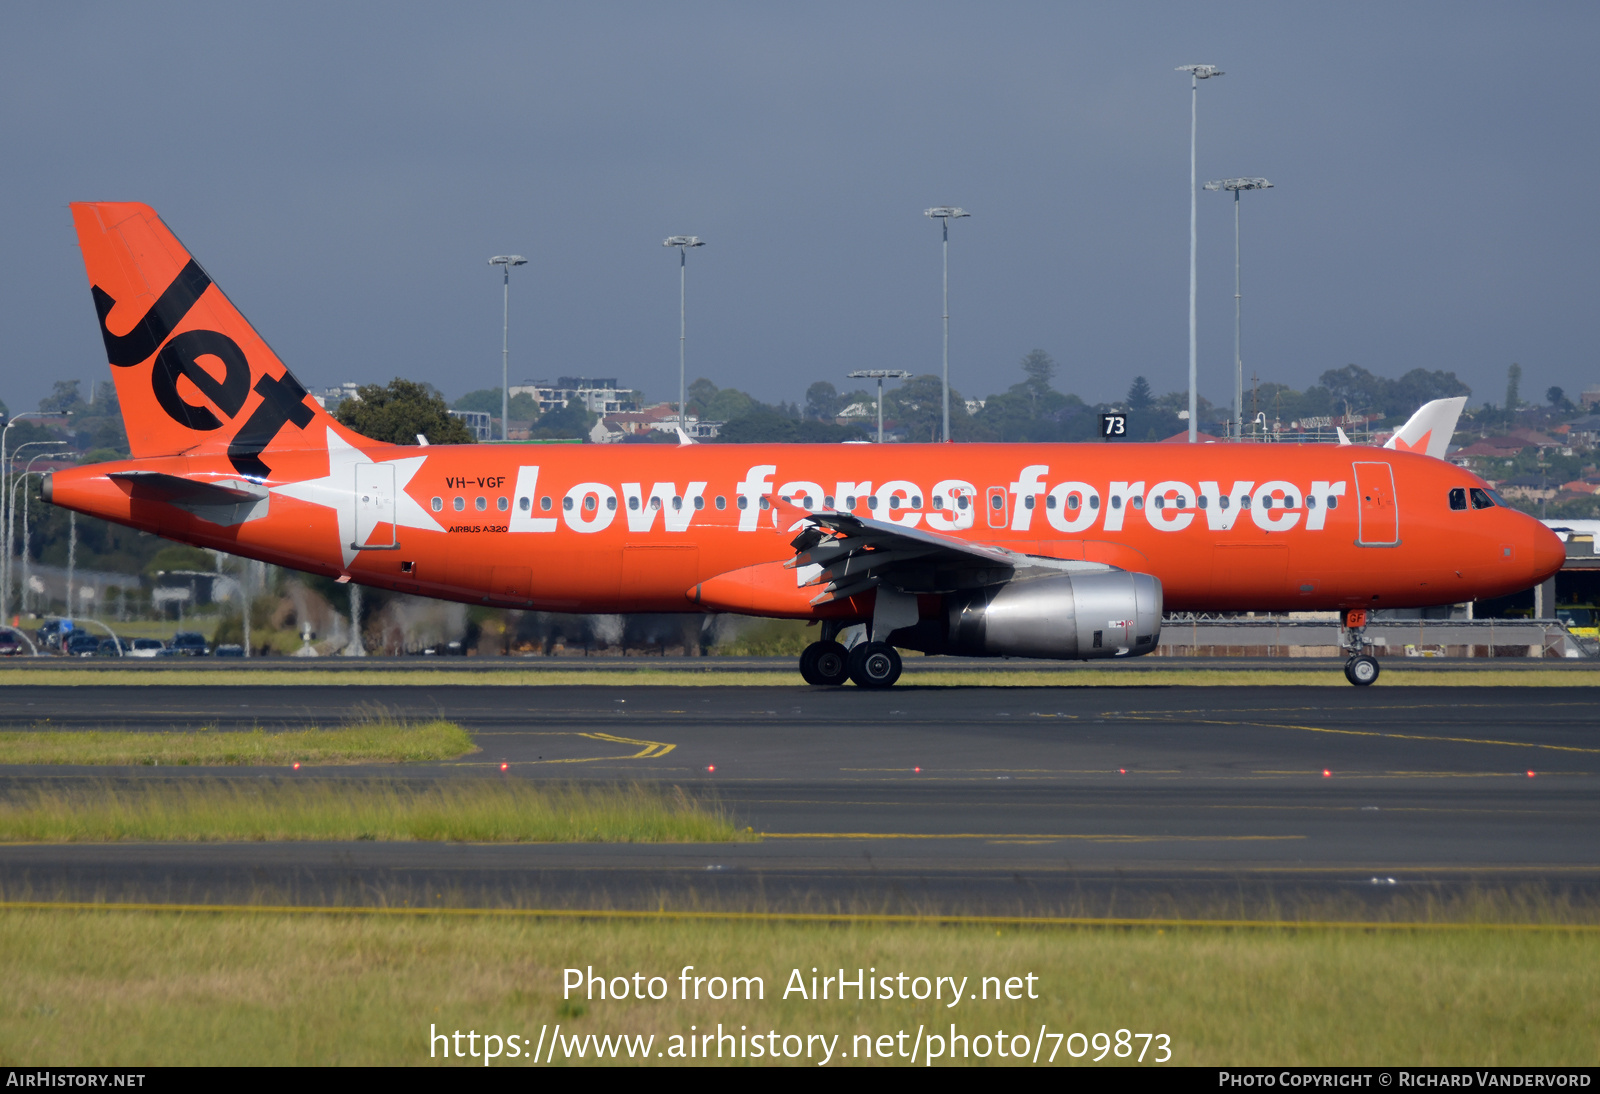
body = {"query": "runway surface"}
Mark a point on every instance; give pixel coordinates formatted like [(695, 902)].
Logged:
[(1128, 800)]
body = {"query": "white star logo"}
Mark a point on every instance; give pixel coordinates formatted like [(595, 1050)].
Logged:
[(337, 490)]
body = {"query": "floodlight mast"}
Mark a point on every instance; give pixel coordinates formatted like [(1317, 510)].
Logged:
[(945, 214), (506, 262), (880, 375), (1196, 74), (683, 243), (1237, 185)]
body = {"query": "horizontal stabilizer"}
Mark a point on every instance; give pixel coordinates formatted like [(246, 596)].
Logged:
[(228, 502)]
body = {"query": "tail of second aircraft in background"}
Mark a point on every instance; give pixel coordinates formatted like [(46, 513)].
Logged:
[(192, 375), (1429, 430)]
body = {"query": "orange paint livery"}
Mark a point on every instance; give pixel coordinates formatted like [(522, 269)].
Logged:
[(958, 548)]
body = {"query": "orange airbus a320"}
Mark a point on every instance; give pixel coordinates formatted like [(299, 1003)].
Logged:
[(1009, 550)]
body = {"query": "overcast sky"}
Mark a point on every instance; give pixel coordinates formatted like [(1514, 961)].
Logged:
[(344, 171)]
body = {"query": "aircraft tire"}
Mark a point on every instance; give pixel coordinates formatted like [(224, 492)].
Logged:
[(874, 665), (825, 664), (1361, 671)]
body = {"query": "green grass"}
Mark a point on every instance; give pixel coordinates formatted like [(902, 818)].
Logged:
[(708, 675), (472, 810), (134, 989), (377, 741)]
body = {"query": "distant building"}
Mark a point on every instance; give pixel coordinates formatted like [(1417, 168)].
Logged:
[(329, 398), (661, 418), (479, 423), (1531, 487), (1590, 396), (597, 396)]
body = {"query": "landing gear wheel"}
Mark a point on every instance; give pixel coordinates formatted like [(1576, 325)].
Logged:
[(874, 665), (824, 664), (1361, 671)]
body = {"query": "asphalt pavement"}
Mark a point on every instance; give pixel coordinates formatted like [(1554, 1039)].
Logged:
[(1067, 800)]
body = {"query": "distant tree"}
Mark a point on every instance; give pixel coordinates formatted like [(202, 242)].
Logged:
[(699, 395), (823, 401), (1039, 369), (1139, 394), (1354, 386), (1419, 386), (726, 405), (567, 421), (917, 406), (64, 399), (396, 413), (179, 557), (770, 425), (1513, 383), (4, 410), (485, 400), (1555, 397), (524, 408)]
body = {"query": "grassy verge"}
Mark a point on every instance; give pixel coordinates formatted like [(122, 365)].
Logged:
[(1328, 675), (381, 741), (287, 809), (143, 988)]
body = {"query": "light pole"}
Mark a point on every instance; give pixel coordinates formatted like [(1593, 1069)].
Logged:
[(683, 243), (5, 504), (1196, 74), (506, 262), (944, 214), (1237, 185), (882, 374), (11, 519)]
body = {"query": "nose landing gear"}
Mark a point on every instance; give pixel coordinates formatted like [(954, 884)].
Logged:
[(1362, 668)]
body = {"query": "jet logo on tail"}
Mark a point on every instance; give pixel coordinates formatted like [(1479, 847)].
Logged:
[(283, 399)]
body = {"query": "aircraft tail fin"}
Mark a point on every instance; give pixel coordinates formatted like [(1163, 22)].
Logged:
[(192, 374), (1429, 430)]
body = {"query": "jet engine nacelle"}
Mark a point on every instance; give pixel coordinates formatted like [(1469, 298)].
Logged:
[(1062, 616)]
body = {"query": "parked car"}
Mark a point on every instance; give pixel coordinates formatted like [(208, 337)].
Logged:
[(230, 650), (110, 647), (144, 647), (11, 646), (189, 644), (49, 635), (82, 645)]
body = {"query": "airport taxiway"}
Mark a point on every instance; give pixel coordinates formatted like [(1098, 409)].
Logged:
[(1074, 800)]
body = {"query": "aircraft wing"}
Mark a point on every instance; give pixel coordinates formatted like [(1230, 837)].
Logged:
[(853, 554)]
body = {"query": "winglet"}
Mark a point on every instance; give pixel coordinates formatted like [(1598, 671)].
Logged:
[(1343, 440), (1429, 430), (683, 438)]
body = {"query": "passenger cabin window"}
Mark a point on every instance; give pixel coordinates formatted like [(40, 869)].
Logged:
[(438, 504), (1458, 498), (1481, 499)]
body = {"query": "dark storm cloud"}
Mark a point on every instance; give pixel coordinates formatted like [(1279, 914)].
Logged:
[(344, 172)]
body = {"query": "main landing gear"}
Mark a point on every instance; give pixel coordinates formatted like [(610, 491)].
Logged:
[(829, 664), (1362, 668)]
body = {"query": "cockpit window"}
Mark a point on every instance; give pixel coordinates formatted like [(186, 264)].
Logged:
[(1458, 498), (1481, 499)]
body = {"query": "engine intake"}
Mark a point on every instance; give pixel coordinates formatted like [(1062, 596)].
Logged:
[(1062, 616)]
